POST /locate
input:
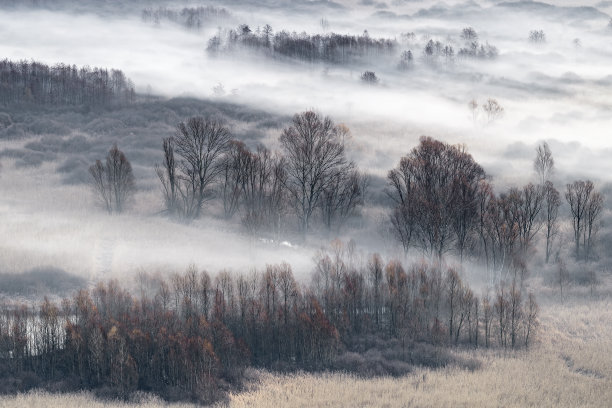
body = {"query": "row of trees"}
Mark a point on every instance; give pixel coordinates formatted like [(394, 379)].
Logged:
[(37, 83), (435, 51), (192, 18), (181, 337), (443, 201), (332, 48), (342, 49)]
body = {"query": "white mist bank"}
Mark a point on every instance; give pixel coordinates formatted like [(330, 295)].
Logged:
[(47, 224), (555, 91)]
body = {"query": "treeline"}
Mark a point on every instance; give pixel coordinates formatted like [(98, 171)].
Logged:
[(344, 49), (192, 18), (33, 82), (332, 48), (184, 337)]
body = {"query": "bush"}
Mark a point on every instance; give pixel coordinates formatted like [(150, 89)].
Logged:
[(369, 77)]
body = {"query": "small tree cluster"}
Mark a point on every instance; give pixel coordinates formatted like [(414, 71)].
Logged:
[(491, 109), (537, 36), (200, 145), (369, 77), (443, 201), (476, 50), (435, 190), (406, 61), (586, 205), (435, 51), (311, 178)]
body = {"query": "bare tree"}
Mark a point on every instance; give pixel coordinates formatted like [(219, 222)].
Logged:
[(341, 197), (562, 277), (201, 145), (487, 317), (577, 196), (531, 198), (493, 110), (552, 201), (473, 107), (530, 317), (593, 212), (585, 208), (168, 177), (375, 271), (235, 164), (314, 156), (544, 164), (515, 312), (434, 190), (113, 181), (502, 305), (454, 288)]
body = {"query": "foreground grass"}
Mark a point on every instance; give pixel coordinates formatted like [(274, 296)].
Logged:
[(570, 366)]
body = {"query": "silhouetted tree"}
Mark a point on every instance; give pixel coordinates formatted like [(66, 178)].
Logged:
[(201, 145), (168, 177), (492, 109), (585, 209), (341, 196), (552, 201), (544, 164), (315, 155), (434, 189), (113, 181)]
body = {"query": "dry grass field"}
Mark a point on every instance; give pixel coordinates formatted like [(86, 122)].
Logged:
[(570, 366)]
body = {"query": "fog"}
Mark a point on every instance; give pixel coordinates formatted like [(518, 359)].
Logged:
[(558, 91)]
